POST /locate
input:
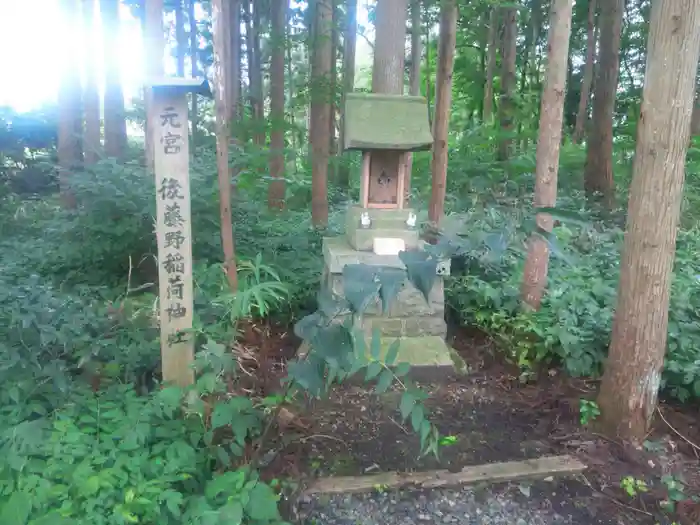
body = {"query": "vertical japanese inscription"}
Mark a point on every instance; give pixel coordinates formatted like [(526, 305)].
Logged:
[(174, 235)]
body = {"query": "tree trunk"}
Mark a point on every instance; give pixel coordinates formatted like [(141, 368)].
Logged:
[(70, 118), (276, 191), (221, 19), (388, 66), (443, 101), (114, 113), (320, 112), (548, 145), (582, 114), (155, 46), (506, 108), (598, 172), (629, 390), (194, 54), (695, 119), (255, 70), (181, 38), (233, 89), (91, 93), (333, 88), (490, 65), (414, 79), (349, 45)]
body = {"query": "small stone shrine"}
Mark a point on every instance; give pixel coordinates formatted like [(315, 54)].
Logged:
[(386, 127)]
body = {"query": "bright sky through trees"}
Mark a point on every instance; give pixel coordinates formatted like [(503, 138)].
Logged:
[(32, 35), (31, 38)]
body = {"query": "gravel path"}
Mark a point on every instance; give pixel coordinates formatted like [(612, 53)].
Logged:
[(541, 503)]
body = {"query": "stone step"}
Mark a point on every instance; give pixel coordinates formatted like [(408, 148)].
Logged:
[(404, 326)]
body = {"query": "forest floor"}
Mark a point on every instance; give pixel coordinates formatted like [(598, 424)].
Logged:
[(492, 417)]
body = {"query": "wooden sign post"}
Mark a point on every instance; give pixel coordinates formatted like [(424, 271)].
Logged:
[(169, 129)]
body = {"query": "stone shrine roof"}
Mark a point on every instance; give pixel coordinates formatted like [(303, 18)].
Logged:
[(386, 122)]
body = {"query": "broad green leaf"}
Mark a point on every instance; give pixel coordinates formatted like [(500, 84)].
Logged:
[(307, 327), (392, 353), (308, 375), (263, 503), (373, 370), (406, 405), (402, 369), (391, 281), (384, 382), (421, 270), (417, 417), (17, 509), (232, 513), (360, 286), (222, 415)]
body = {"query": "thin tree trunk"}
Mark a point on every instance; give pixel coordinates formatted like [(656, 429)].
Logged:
[(291, 89), (548, 145), (254, 70), (490, 64), (221, 19), (91, 93), (194, 54), (70, 118), (443, 101), (507, 106), (114, 112), (349, 45), (180, 37), (428, 75), (414, 79), (582, 114), (233, 89), (333, 88), (320, 112), (629, 390), (276, 191), (598, 172), (155, 46)]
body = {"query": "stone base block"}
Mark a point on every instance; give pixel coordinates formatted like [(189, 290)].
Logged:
[(404, 326), (409, 302), (425, 354), (363, 239), (337, 253), (384, 223)]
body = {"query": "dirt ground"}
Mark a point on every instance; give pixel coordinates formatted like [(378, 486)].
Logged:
[(492, 417)]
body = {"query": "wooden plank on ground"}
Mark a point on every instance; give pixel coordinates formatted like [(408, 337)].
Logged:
[(487, 473)]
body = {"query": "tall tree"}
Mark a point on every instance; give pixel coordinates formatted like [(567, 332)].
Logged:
[(333, 89), (320, 111), (414, 77), (194, 54), (91, 93), (506, 107), (275, 197), (233, 81), (582, 114), (443, 101), (180, 38), (491, 57), (629, 390), (70, 118), (114, 112), (349, 45), (155, 45), (548, 144), (221, 18), (255, 94), (598, 173), (388, 65)]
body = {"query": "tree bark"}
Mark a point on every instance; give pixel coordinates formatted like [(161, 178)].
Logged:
[(506, 108), (155, 47), (629, 390), (388, 65), (70, 118), (490, 65), (276, 191), (598, 172), (349, 45), (91, 93), (114, 112), (180, 38), (582, 114), (255, 70), (221, 18), (443, 101), (194, 54), (333, 89), (414, 79), (320, 112), (233, 88), (548, 145)]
